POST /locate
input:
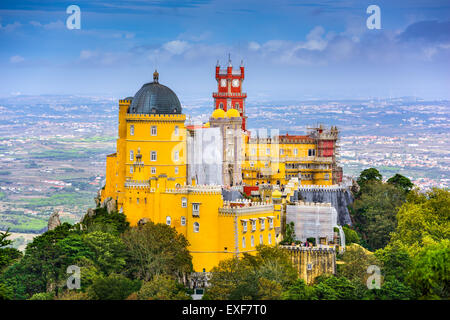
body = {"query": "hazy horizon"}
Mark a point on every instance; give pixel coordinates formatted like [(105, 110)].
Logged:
[(292, 50)]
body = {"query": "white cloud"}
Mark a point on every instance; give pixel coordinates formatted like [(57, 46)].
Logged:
[(16, 59), (10, 27), (254, 46), (48, 26), (315, 40), (54, 25), (87, 54), (176, 46), (35, 23)]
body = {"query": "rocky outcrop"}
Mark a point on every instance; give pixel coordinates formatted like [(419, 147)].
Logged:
[(54, 221), (355, 187), (98, 198), (110, 205), (90, 212)]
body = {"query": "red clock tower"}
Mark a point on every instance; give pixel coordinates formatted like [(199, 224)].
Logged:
[(229, 93)]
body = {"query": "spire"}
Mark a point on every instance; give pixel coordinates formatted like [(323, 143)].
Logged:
[(217, 65), (242, 62), (155, 76), (229, 60)]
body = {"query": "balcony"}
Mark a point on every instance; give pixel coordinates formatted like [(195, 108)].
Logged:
[(229, 95)]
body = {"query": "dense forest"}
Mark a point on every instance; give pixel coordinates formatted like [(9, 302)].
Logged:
[(395, 227)]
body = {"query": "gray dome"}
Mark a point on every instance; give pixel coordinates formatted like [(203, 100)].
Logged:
[(155, 98)]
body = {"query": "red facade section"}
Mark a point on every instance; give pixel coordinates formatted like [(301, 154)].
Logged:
[(229, 90), (327, 148), (248, 190)]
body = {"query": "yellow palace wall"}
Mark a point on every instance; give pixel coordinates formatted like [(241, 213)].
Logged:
[(271, 159)]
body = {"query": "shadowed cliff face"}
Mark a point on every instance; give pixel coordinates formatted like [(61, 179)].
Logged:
[(339, 199)]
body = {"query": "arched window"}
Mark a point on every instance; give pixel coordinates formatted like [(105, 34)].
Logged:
[(131, 155), (252, 240), (154, 130), (243, 242), (176, 131), (196, 227), (168, 220), (183, 220), (183, 202), (260, 239), (131, 130), (270, 238)]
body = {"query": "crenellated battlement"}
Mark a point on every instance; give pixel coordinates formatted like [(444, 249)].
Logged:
[(198, 189), (153, 117), (312, 204), (125, 101), (319, 248), (325, 188), (248, 207)]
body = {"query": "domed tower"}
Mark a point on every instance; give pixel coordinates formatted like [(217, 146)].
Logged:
[(151, 143), (155, 98)]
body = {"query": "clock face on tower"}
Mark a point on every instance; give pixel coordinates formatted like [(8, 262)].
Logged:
[(223, 83), (235, 82)]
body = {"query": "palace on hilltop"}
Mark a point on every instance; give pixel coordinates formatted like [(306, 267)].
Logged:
[(223, 188)]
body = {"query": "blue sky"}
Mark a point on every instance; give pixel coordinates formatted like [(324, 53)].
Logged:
[(291, 49)]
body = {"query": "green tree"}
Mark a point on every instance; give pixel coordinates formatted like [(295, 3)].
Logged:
[(7, 255), (230, 279), (162, 287), (430, 272), (391, 289), (238, 279), (6, 293), (269, 289), (401, 182), (424, 217), (351, 236), (366, 176), (356, 260), (43, 296), (40, 268), (395, 261), (156, 249), (114, 222), (289, 237), (299, 290), (330, 287), (109, 251), (113, 287), (374, 213), (44, 265)]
